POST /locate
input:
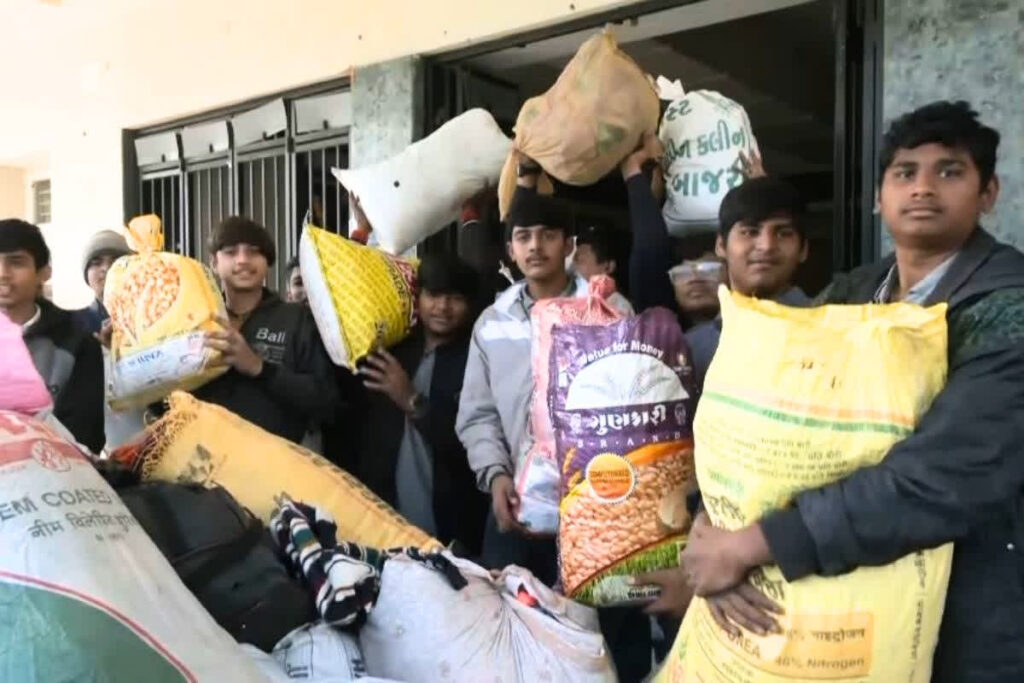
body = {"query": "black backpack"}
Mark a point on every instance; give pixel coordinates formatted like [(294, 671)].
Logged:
[(226, 558)]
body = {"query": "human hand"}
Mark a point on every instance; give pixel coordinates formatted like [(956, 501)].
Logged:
[(717, 560), (383, 373), (676, 591), (235, 351), (744, 606), (753, 166), (505, 502), (105, 333), (650, 148)]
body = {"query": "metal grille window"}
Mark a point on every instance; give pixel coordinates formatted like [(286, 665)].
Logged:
[(270, 162), (41, 201)]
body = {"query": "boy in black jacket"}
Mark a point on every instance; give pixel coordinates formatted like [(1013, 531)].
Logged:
[(281, 377), (410, 454), (67, 357)]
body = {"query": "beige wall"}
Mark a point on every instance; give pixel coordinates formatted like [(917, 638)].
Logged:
[(12, 192), (114, 64)]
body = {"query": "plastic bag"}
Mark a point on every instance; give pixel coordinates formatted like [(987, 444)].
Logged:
[(315, 653), (361, 297), (830, 390), (420, 190), (21, 388), (161, 308)]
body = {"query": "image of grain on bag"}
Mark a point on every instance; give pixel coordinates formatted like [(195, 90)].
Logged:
[(824, 392), (362, 298), (622, 399), (201, 443), (161, 308), (594, 115)]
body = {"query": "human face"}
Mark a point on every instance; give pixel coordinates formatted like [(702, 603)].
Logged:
[(96, 272), (240, 267), (696, 284), (586, 263), (540, 252), (443, 314), (762, 258), (296, 290), (20, 281), (931, 197)]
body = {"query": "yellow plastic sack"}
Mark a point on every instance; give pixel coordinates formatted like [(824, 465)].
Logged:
[(202, 443), (795, 399), (161, 307), (594, 115), (361, 297)]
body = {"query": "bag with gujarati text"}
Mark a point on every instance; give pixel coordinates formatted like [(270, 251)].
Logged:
[(829, 391), (703, 134), (21, 387), (622, 399), (361, 297), (161, 308), (85, 594)]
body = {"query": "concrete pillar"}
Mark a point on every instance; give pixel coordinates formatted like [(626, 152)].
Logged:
[(387, 109)]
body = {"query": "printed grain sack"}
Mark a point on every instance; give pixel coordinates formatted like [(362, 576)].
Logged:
[(508, 628), (703, 133), (420, 190), (826, 391), (201, 443), (622, 403), (21, 388), (594, 115), (362, 298), (84, 593), (538, 481), (161, 308)]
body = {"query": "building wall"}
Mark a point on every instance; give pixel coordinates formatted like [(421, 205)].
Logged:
[(12, 193), (971, 50)]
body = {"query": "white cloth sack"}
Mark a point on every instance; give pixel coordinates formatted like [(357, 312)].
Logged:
[(703, 133), (315, 653), (85, 595), (423, 630), (415, 193)]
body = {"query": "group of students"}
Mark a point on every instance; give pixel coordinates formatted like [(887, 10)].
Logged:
[(436, 424)]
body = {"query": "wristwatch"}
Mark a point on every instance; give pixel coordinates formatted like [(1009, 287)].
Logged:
[(523, 170)]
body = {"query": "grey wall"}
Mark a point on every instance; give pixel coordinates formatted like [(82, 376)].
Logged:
[(387, 109), (971, 50)]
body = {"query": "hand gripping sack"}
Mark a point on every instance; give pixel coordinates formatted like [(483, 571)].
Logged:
[(361, 297), (509, 628), (537, 478), (161, 308), (828, 391), (84, 593), (415, 193), (594, 115), (21, 388), (201, 443), (703, 134), (622, 403)]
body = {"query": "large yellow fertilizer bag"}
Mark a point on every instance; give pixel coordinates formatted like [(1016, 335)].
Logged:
[(161, 308), (202, 443), (817, 394), (361, 297)]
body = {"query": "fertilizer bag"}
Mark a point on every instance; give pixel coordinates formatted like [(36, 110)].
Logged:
[(84, 593), (361, 297), (829, 390), (161, 308), (415, 193), (703, 134), (21, 388), (622, 403)]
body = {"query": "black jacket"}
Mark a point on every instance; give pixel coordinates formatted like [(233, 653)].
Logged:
[(959, 477), (71, 364), (459, 508), (296, 389)]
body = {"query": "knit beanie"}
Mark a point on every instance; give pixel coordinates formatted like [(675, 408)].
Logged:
[(103, 242)]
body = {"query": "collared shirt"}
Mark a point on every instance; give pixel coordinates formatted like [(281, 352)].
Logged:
[(414, 471), (526, 301), (32, 321), (920, 292)]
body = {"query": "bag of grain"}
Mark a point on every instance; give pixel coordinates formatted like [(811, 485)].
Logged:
[(21, 388), (594, 115), (420, 190), (201, 443), (830, 390), (362, 298), (85, 594), (161, 308), (703, 133), (622, 399)]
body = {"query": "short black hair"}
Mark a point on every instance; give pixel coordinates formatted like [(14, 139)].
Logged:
[(953, 124), (530, 208), (759, 199), (292, 264), (606, 243), (236, 230), (446, 273), (19, 235)]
